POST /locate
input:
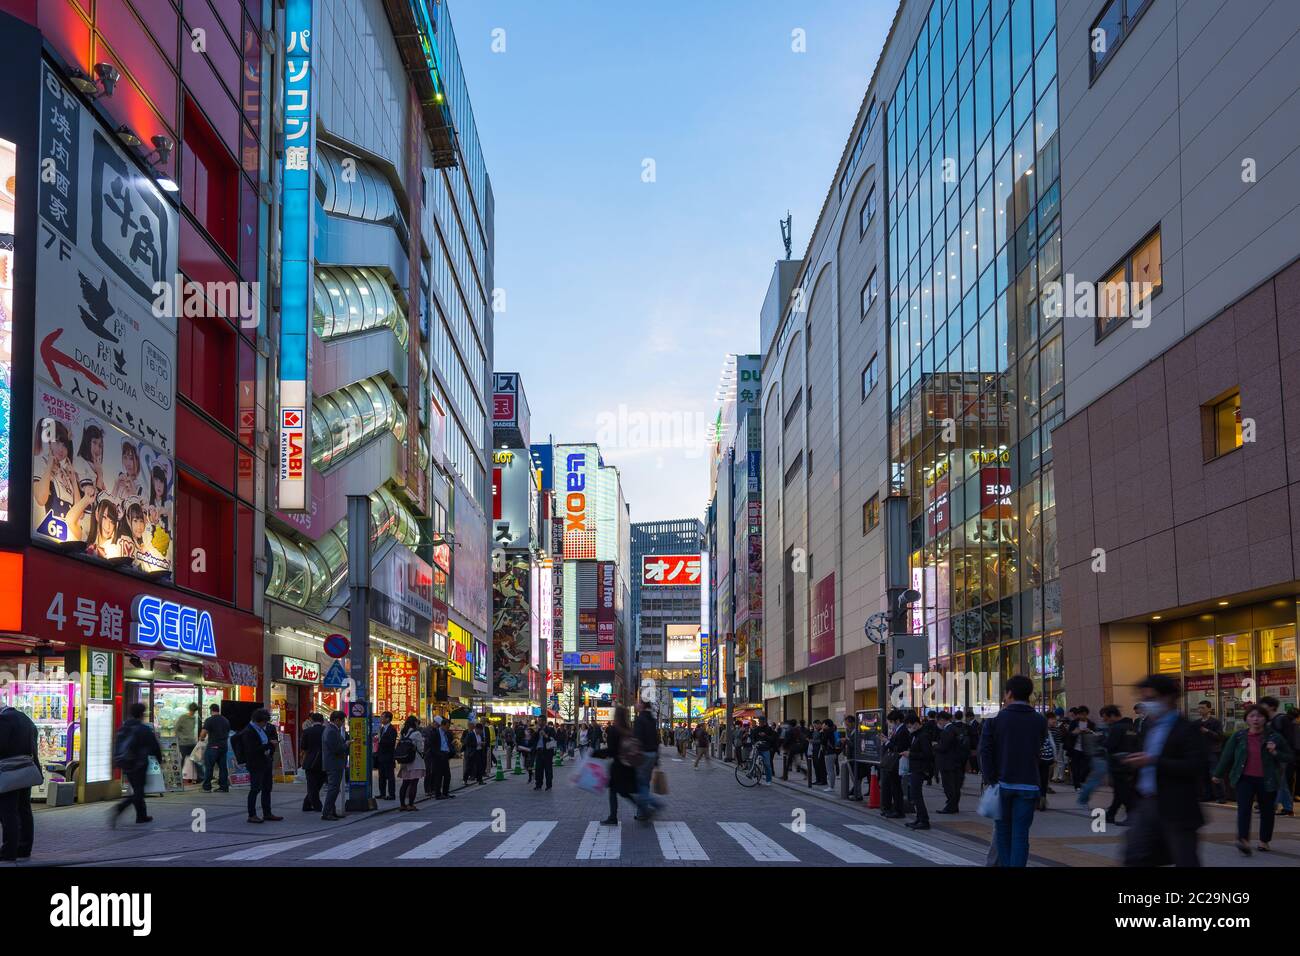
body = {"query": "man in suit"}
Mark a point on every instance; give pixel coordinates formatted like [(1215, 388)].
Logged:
[(17, 739), (469, 746), (334, 760), (951, 755), (385, 762), (542, 744), (897, 742), (1169, 769), (312, 739), (258, 750), (438, 750)]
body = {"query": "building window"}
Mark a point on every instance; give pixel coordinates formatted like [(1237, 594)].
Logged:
[(794, 407), (1130, 285), (867, 212), (870, 291), (810, 461), (793, 471), (871, 514), (1110, 29), (869, 376), (1221, 425)]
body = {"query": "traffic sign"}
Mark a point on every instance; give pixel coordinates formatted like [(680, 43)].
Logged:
[(336, 677), (336, 646)]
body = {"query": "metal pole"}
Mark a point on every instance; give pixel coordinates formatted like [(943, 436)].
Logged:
[(360, 786), (730, 676)]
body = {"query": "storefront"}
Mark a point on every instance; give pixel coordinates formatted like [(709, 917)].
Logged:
[(1231, 657), (90, 644)]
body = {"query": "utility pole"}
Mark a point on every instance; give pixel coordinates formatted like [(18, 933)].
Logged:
[(360, 786), (730, 677)]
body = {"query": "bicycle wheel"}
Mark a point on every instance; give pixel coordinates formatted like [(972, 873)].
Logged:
[(746, 775)]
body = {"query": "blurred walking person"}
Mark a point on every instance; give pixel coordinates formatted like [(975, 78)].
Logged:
[(1255, 762), (135, 743), (17, 827), (624, 752)]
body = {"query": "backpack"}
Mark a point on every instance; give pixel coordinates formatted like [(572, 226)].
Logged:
[(126, 756), (630, 753), (404, 751)]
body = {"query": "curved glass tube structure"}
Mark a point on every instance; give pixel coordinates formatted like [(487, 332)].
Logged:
[(347, 418), (356, 190), (352, 299)]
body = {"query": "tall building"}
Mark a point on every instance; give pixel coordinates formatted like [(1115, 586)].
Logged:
[(384, 347), (1176, 463), (673, 644), (136, 175)]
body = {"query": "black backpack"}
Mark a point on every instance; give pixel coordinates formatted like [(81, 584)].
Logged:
[(405, 751), (126, 755)]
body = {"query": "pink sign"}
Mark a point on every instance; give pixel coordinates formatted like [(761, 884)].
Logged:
[(821, 630)]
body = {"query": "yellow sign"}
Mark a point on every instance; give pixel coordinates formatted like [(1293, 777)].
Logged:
[(503, 458), (360, 734)]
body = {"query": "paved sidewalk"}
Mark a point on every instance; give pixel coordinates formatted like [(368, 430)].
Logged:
[(1067, 834)]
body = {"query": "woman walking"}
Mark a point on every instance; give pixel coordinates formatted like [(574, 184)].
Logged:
[(1254, 761), (622, 776), (410, 762)]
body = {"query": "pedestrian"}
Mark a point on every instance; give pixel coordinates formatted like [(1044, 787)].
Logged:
[(624, 752), (1046, 760), (1254, 762), (438, 750), (975, 728), (255, 748), (831, 753), (920, 765), (408, 754), (682, 736), (1281, 724), (646, 732), (487, 747), (543, 744), (334, 759), (507, 738), (17, 827), (702, 745), (582, 738), (468, 756), (852, 766), (1212, 733), (385, 765), (950, 760), (134, 744), (1010, 744), (897, 742), (817, 754), (1077, 746), (1118, 741), (522, 736), (763, 739), (1057, 729), (312, 766), (1169, 766), (930, 727), (216, 737), (737, 734), (187, 736)]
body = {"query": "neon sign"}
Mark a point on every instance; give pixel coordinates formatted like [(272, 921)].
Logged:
[(172, 626)]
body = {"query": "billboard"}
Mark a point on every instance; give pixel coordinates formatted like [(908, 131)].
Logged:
[(505, 400), (605, 612), (470, 562), (682, 644), (512, 497), (296, 277), (542, 464), (512, 631), (589, 661), (8, 261), (821, 630), (579, 470), (670, 570)]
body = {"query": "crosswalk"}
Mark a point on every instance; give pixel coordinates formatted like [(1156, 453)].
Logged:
[(665, 841)]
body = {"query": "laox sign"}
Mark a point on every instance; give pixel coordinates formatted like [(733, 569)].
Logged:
[(575, 504), (172, 626)]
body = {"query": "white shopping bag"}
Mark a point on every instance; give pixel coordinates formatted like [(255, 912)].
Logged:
[(991, 802), (591, 775)]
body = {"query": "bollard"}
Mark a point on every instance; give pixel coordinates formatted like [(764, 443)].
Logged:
[(873, 801)]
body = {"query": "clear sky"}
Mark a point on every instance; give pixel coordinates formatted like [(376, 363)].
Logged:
[(623, 295)]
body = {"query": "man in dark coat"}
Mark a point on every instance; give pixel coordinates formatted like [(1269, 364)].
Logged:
[(385, 762), (312, 765), (541, 744), (438, 750), (920, 765), (951, 754), (134, 744), (257, 747), (469, 746), (1168, 780), (17, 739)]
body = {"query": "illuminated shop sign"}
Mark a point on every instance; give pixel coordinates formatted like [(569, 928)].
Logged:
[(296, 669), (296, 288), (584, 661), (670, 570), (579, 529), (171, 626)]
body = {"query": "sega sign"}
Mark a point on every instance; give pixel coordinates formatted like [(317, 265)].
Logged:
[(171, 626)]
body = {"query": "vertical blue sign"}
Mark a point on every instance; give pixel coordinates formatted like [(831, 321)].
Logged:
[(296, 254)]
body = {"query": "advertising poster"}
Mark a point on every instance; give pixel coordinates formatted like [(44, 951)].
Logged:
[(8, 228), (575, 473), (682, 644), (511, 628), (98, 490), (605, 610), (821, 631), (397, 686), (670, 570)]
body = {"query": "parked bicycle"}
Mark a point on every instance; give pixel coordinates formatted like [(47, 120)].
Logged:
[(749, 770)]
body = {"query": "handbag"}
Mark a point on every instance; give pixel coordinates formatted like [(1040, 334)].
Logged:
[(19, 773), (991, 802), (592, 775), (659, 782)]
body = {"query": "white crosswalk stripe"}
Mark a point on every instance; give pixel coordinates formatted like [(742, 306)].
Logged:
[(678, 842), (262, 851), (836, 846), (371, 841), (447, 841), (601, 842), (524, 842), (916, 847), (760, 847)]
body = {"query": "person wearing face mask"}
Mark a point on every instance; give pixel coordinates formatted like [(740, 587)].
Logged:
[(1168, 765)]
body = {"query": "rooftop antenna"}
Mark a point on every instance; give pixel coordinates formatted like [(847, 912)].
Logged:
[(786, 224)]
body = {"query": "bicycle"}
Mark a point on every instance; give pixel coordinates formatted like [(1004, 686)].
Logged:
[(750, 771)]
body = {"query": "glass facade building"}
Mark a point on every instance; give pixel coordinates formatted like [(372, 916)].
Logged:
[(975, 367)]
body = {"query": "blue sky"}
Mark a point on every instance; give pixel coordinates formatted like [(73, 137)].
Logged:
[(623, 296)]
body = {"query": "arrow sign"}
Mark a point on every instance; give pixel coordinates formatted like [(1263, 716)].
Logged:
[(336, 677), (52, 357)]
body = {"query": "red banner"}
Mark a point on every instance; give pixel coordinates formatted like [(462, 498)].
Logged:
[(670, 570)]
